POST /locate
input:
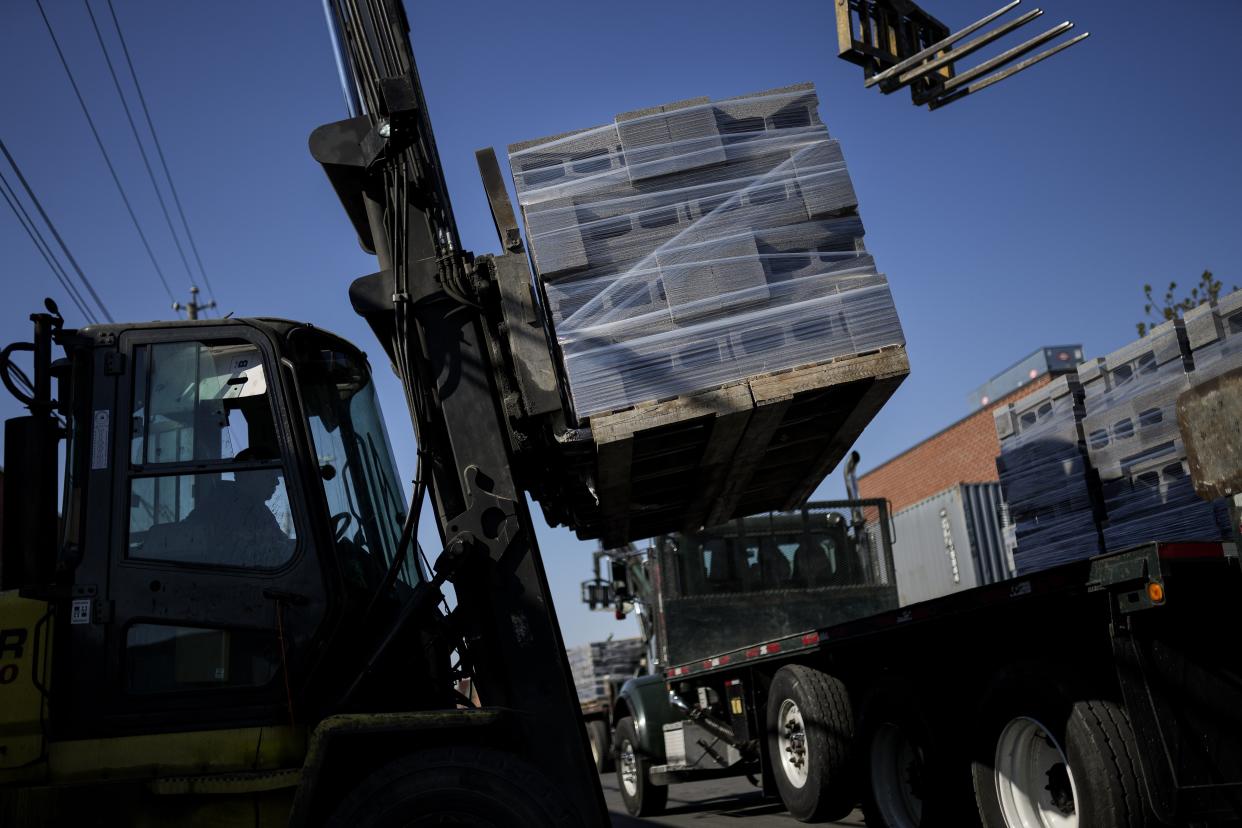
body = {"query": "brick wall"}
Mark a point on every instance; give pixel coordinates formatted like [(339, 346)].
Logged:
[(965, 452)]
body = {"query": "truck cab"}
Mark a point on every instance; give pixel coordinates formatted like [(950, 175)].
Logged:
[(752, 581)]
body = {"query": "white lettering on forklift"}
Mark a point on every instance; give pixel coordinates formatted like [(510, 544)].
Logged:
[(80, 611), (99, 440)]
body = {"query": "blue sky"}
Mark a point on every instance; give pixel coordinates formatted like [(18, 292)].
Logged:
[(1029, 215)]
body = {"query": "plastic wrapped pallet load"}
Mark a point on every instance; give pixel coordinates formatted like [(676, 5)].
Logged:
[(1046, 478), (1134, 444), (686, 254), (1095, 461), (600, 662)]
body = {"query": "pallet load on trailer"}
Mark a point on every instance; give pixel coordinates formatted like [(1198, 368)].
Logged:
[(1094, 461)]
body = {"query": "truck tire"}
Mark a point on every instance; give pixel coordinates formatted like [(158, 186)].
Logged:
[(601, 745), (455, 786), (811, 743), (641, 796), (914, 778), (1047, 760)]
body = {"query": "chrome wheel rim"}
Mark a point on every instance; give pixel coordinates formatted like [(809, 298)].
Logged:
[(896, 777), (629, 768), (791, 743), (1034, 782)]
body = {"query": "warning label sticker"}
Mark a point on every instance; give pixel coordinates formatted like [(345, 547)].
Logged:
[(80, 612), (99, 440)]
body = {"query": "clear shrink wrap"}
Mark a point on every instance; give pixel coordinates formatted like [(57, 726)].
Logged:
[(694, 244), (1135, 446), (1045, 476)]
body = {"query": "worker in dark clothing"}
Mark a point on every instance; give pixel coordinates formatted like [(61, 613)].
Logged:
[(232, 524)]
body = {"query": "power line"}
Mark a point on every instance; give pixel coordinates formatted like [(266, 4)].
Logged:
[(32, 230), (146, 162), (160, 152), (61, 242), (40, 243), (107, 159)]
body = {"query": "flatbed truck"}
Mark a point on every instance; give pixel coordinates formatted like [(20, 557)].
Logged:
[(1102, 692)]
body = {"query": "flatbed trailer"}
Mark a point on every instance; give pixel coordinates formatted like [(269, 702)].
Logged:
[(1100, 692)]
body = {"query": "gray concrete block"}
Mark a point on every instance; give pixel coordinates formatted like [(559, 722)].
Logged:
[(824, 180), (713, 278), (1203, 326), (669, 139)]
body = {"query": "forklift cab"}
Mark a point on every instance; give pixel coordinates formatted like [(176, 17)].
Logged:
[(230, 509)]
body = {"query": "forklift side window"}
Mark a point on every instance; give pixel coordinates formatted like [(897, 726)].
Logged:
[(238, 518), (200, 401), (205, 404)]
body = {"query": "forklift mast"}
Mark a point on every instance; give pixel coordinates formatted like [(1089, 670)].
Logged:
[(429, 307)]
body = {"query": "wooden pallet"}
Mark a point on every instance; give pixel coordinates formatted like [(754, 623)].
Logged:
[(760, 444)]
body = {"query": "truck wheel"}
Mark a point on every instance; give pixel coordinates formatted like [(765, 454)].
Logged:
[(1059, 765), (642, 797), (464, 786), (810, 743), (913, 779), (601, 747)]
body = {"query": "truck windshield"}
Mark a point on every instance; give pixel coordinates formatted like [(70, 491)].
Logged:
[(356, 466)]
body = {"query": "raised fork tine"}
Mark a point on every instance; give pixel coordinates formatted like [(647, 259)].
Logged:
[(919, 57), (996, 77)]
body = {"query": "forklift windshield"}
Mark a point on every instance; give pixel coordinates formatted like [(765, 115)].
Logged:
[(356, 466)]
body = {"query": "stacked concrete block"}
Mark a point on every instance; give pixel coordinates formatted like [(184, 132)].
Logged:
[(596, 664), (1214, 336), (1046, 478), (1135, 446), (670, 138), (694, 244)]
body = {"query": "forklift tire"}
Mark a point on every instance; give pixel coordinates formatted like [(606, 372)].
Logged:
[(601, 745), (811, 744), (1044, 756), (472, 786), (642, 797)]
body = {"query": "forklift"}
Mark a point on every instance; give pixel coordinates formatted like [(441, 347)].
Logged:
[(214, 610)]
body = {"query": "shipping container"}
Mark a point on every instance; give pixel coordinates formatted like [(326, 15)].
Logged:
[(950, 542)]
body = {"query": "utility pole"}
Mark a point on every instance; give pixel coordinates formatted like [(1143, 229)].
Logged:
[(193, 306)]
